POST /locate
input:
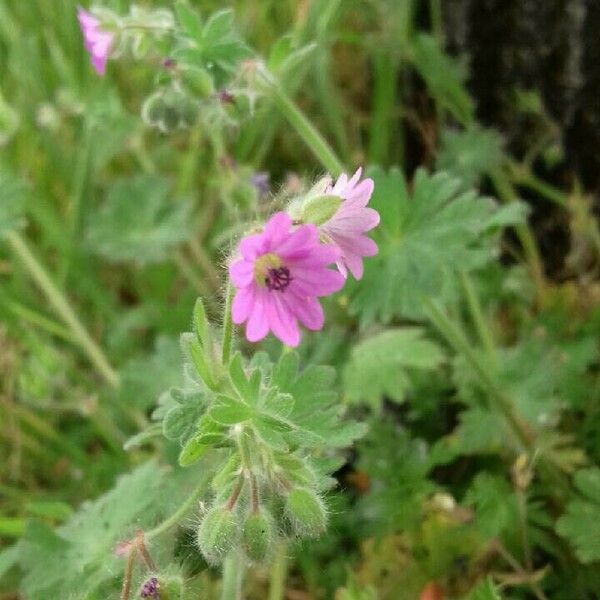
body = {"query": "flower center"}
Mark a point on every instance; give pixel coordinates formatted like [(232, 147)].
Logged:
[(269, 272)]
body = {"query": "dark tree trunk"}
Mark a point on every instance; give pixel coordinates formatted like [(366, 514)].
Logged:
[(550, 46)]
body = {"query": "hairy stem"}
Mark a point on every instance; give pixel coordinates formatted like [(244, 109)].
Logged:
[(305, 129), (126, 587), (61, 305), (507, 193), (233, 576), (178, 515), (483, 331), (278, 573), (457, 340), (227, 324)]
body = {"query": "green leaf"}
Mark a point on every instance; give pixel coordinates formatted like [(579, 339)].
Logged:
[(380, 366), (229, 411), (218, 26), (486, 590), (247, 388), (316, 413), (201, 324), (180, 422), (9, 557), (579, 523), (470, 153), (423, 239), (444, 77), (139, 222), (13, 194), (197, 446), (139, 439), (143, 379), (201, 360), (78, 558), (189, 20)]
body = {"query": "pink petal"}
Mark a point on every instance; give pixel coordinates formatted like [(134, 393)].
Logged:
[(355, 265), (282, 321), (355, 178), (316, 282), (303, 239), (320, 256), (340, 185), (362, 192), (99, 63), (308, 310), (242, 306), (241, 273), (252, 245), (101, 45), (277, 230), (258, 325), (86, 19), (359, 245)]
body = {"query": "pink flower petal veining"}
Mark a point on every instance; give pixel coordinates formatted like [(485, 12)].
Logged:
[(353, 218), (279, 275)]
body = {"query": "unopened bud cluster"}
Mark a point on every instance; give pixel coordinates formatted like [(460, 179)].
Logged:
[(244, 522)]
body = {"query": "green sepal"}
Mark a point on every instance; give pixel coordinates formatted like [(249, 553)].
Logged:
[(319, 209)]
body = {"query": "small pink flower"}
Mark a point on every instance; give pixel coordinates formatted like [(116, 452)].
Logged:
[(96, 41), (281, 273), (352, 219)]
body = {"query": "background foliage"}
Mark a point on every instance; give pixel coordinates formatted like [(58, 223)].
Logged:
[(470, 347)]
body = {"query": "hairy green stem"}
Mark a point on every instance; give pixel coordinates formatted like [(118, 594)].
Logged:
[(227, 324), (305, 129), (483, 331), (455, 337), (233, 576), (180, 512), (507, 193), (279, 573), (61, 305)]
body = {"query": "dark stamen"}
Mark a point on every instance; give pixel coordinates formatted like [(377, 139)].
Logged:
[(278, 279)]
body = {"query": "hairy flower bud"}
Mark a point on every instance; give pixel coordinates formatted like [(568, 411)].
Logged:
[(257, 535), (170, 109), (218, 534), (306, 512)]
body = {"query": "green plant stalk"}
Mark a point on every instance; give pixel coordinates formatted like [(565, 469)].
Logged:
[(522, 175), (61, 305), (233, 575), (227, 325), (178, 515), (305, 129), (476, 312), (436, 17), (384, 104), (38, 319), (507, 193), (278, 573), (455, 337)]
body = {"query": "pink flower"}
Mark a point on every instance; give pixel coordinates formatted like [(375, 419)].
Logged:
[(352, 219), (96, 41), (281, 273)]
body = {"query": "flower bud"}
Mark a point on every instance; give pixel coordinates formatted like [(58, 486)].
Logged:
[(200, 82), (319, 209), (171, 587), (306, 512), (218, 534), (257, 535), (170, 109)]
